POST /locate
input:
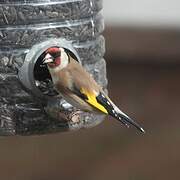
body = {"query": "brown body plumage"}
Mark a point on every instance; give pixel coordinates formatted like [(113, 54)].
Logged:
[(68, 88)]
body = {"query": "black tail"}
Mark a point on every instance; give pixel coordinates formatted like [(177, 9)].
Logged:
[(126, 120), (117, 113)]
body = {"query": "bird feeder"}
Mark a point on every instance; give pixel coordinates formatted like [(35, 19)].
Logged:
[(28, 102)]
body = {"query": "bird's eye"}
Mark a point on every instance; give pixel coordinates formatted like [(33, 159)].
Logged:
[(56, 55)]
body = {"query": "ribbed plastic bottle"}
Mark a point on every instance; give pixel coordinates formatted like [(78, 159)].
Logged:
[(28, 103)]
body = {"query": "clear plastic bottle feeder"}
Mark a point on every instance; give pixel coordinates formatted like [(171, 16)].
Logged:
[(28, 101)]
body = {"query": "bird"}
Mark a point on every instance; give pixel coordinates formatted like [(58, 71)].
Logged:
[(78, 87)]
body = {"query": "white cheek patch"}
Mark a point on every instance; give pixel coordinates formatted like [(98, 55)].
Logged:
[(64, 59)]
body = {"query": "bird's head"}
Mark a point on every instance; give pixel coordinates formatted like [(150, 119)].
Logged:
[(56, 57)]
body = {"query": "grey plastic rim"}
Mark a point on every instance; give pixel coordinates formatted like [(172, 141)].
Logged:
[(26, 72)]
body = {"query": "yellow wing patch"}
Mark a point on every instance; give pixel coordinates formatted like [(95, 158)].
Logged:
[(93, 101)]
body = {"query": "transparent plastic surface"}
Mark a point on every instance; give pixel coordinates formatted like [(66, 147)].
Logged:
[(25, 23), (26, 36), (29, 12)]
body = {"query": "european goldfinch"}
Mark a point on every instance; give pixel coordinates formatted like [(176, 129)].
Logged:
[(79, 88)]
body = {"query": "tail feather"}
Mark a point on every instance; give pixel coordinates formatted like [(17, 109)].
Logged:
[(115, 112), (122, 117), (126, 120)]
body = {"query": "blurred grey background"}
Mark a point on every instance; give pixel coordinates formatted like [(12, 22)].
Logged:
[(142, 43), (142, 12)]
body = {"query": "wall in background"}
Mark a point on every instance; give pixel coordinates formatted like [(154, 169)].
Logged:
[(142, 12)]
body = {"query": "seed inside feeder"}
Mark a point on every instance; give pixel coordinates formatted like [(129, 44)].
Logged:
[(42, 77)]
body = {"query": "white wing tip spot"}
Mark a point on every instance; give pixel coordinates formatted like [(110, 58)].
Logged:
[(142, 130), (108, 103)]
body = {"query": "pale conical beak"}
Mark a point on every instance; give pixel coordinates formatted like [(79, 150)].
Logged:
[(48, 59)]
